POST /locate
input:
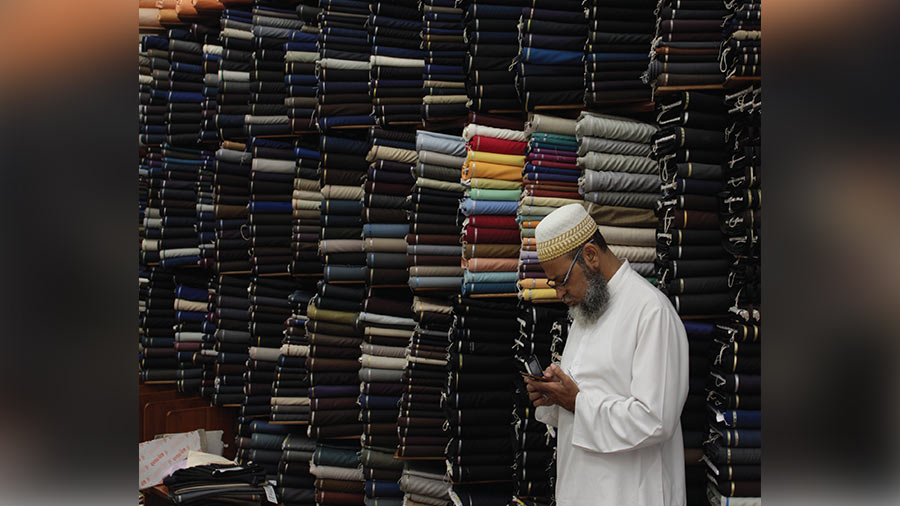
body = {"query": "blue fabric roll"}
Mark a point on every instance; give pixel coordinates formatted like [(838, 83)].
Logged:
[(551, 56), (490, 277), (399, 230), (471, 207), (378, 488), (479, 288), (188, 293), (538, 169), (533, 176), (378, 402), (269, 207)]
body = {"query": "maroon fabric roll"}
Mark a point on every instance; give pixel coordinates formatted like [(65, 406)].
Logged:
[(494, 145), (494, 222), (478, 235)]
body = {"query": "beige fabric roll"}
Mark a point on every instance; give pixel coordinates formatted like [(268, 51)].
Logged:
[(190, 305), (386, 332), (306, 195), (549, 124), (391, 153), (431, 305), (428, 361), (442, 159), (295, 350), (305, 205), (311, 185), (290, 401), (628, 236), (444, 99), (337, 192), (445, 84), (265, 354), (301, 56), (383, 351), (376, 362), (437, 184), (148, 17), (547, 201), (385, 245), (333, 63), (634, 253), (472, 129), (391, 61)]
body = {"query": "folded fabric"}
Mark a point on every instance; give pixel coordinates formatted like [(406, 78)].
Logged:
[(549, 124), (494, 184), (489, 194), (622, 216), (618, 163), (492, 170), (626, 199), (484, 156), (594, 180), (612, 146), (628, 236), (471, 207), (612, 127), (441, 143), (494, 145), (471, 130)]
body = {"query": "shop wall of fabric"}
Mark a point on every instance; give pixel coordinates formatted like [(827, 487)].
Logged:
[(549, 68), (444, 77), (397, 62), (274, 22), (616, 52), (301, 52)]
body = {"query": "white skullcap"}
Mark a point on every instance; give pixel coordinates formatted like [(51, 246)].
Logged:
[(562, 231)]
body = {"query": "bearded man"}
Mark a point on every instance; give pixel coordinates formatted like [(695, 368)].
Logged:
[(617, 394)]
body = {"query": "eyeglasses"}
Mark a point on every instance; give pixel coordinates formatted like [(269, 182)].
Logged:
[(554, 284)]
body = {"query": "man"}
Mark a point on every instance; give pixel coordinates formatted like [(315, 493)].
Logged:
[(617, 394)]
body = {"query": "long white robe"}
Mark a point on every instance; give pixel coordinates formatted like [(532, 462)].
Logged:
[(623, 444)]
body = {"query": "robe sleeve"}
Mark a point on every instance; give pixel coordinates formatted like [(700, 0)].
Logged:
[(548, 415), (606, 422)]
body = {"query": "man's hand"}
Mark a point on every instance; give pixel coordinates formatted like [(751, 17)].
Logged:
[(559, 389)]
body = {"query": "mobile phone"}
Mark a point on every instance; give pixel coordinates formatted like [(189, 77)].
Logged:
[(533, 369)]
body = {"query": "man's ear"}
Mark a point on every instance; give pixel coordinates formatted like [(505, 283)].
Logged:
[(591, 255)]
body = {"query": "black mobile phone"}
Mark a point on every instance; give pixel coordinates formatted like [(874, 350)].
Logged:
[(533, 369)]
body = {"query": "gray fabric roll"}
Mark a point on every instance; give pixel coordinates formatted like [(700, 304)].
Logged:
[(611, 146), (383, 375), (628, 236), (613, 127), (618, 163), (644, 200), (441, 159), (594, 180)]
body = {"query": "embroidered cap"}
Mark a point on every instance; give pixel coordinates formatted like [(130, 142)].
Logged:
[(562, 231)]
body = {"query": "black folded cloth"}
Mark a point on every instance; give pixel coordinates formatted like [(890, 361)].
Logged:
[(218, 483)]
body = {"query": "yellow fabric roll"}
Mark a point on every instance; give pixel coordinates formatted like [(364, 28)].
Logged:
[(486, 156), (534, 284), (491, 170), (538, 294)]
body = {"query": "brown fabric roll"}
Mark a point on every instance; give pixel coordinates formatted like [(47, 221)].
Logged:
[(623, 216), (491, 250), (442, 239)]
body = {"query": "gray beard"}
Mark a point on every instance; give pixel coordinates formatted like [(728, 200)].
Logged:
[(596, 298)]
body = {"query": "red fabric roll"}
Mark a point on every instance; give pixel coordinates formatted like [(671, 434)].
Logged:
[(476, 235), (494, 145), (551, 158), (493, 222)]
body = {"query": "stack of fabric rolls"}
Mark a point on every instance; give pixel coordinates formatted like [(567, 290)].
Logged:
[(434, 249), (157, 328), (389, 182), (690, 147), (232, 339), (549, 182), (342, 174), (212, 59), (300, 54), (495, 155), (271, 220), (534, 446), (191, 310), (268, 112), (233, 99), (290, 383), (397, 62), (206, 208), (492, 37), (616, 52), (209, 484), (549, 67), (423, 484), (306, 200), (339, 477), (734, 446), (685, 50), (152, 60), (231, 196), (620, 185), (185, 82), (388, 326), (333, 362), (269, 308), (170, 219), (343, 65), (741, 54), (296, 485), (148, 16), (444, 80), (260, 443), (421, 418), (479, 393), (207, 337)]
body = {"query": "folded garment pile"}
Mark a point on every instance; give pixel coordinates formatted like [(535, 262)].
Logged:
[(389, 181), (734, 446), (686, 47), (434, 250), (397, 61), (492, 38), (290, 382), (421, 418), (333, 364), (741, 54), (423, 483), (296, 485), (549, 66), (259, 442), (495, 155), (301, 51), (157, 327), (268, 90), (191, 310), (269, 309), (616, 53), (239, 485), (444, 77), (232, 338), (231, 196), (479, 393), (233, 100), (306, 201), (690, 147), (153, 68), (271, 220), (343, 66), (620, 184), (535, 446), (549, 181), (339, 476)]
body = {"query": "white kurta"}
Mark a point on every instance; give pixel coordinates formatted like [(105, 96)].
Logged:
[(623, 444)]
